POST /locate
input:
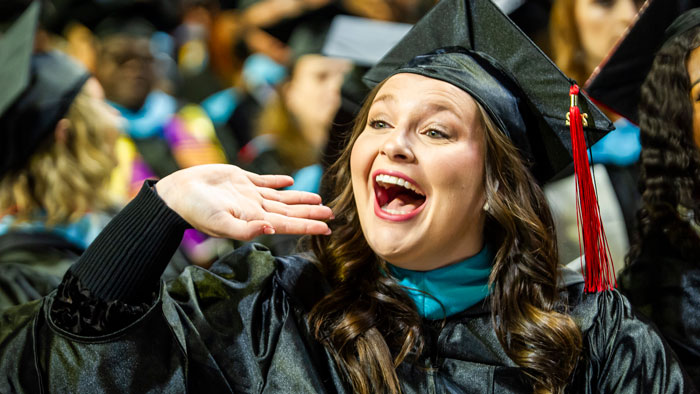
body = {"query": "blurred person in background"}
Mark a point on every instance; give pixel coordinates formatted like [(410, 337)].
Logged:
[(662, 275), (165, 133), (162, 133), (57, 137), (294, 126), (582, 32)]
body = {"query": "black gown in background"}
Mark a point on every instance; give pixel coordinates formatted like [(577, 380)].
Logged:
[(664, 285), (241, 327), (32, 265)]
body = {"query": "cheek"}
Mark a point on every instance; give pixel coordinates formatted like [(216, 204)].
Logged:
[(463, 177), (361, 158)]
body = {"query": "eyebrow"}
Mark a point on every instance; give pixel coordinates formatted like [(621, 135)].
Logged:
[(433, 107), (695, 83), (384, 97)]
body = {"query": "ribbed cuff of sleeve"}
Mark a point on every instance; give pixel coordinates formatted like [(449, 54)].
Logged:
[(126, 260)]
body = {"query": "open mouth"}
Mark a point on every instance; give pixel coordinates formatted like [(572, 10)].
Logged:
[(397, 196)]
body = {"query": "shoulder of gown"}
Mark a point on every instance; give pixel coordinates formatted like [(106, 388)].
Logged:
[(622, 351), (238, 327)]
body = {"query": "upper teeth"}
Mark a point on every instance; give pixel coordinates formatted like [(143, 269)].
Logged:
[(388, 179)]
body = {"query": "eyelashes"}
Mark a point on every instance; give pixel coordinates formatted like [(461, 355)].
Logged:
[(431, 132)]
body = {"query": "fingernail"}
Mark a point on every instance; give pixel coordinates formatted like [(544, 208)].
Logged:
[(328, 232), (268, 230)]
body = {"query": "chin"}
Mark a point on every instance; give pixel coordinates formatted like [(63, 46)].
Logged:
[(391, 252)]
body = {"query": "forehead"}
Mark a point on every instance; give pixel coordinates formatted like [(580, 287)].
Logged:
[(421, 91), (121, 43)]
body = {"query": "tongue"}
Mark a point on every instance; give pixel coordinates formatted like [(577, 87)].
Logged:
[(402, 203)]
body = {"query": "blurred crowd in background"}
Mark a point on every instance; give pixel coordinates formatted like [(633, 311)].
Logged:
[(153, 86), (178, 83)]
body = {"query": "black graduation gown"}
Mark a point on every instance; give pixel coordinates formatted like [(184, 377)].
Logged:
[(32, 265), (240, 327), (664, 285)]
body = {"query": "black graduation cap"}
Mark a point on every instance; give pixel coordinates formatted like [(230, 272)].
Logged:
[(616, 83), (58, 14), (37, 91), (471, 44), (474, 46)]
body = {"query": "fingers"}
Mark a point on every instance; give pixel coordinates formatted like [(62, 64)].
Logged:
[(270, 181), (228, 226), (290, 196), (291, 225), (318, 212)]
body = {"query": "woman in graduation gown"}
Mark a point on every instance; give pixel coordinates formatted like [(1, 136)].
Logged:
[(651, 79), (57, 137), (436, 272), (662, 278)]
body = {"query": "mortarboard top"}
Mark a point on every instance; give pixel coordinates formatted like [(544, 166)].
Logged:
[(16, 45), (616, 83), (480, 50), (40, 89)]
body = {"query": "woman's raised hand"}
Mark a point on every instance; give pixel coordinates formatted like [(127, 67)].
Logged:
[(225, 201)]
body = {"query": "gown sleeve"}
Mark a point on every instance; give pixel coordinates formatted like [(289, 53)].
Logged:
[(117, 278), (626, 353)]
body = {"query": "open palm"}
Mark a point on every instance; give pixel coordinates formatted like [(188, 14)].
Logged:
[(225, 201)]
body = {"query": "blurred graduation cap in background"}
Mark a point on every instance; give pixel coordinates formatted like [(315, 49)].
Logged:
[(37, 91), (480, 50), (364, 41), (617, 82), (56, 15)]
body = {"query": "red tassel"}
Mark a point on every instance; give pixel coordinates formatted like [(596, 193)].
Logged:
[(599, 273)]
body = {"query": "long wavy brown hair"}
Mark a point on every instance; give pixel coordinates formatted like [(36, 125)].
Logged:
[(63, 181), (669, 177), (371, 325)]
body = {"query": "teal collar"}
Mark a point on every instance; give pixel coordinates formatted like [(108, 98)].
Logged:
[(455, 287)]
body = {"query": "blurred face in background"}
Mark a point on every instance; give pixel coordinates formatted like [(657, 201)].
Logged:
[(600, 24), (125, 70), (693, 65), (313, 94)]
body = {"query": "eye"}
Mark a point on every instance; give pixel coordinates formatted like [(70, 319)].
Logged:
[(378, 124), (604, 3), (437, 134)]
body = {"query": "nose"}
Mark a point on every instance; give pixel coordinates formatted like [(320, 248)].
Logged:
[(397, 147)]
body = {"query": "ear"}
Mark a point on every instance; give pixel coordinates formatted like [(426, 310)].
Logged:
[(61, 131)]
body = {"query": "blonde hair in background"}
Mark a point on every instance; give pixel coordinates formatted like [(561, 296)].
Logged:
[(566, 48), (294, 150), (65, 179)]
